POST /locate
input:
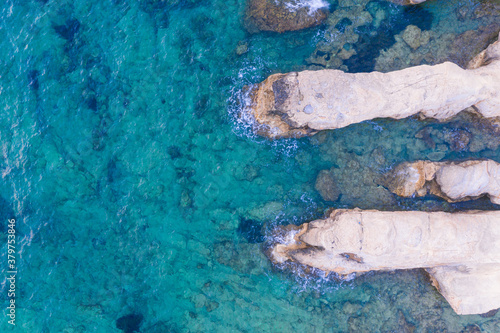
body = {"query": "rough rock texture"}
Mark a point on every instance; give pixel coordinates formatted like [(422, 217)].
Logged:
[(281, 15), (461, 251), (449, 180), (303, 103)]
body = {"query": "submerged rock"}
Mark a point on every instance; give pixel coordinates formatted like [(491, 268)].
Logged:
[(251, 230), (412, 35), (339, 99), (242, 48), (435, 47), (471, 42), (283, 15), (460, 251), (325, 185), (449, 180)]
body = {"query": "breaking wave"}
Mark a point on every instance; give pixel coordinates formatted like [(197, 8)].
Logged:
[(312, 5)]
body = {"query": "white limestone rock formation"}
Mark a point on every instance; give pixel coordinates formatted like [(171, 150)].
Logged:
[(303, 103), (452, 181), (461, 251)]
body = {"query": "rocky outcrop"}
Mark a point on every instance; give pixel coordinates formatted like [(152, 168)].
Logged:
[(452, 181), (461, 251), (283, 15), (303, 103)]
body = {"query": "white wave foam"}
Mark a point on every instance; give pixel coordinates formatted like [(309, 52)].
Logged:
[(313, 5), (240, 112)]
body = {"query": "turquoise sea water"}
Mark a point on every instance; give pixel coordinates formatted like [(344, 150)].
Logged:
[(139, 194)]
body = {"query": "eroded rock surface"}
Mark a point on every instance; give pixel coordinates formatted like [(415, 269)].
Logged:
[(452, 181), (461, 251), (303, 103), (282, 15)]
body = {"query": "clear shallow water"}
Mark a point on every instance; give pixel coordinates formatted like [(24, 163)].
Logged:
[(136, 191)]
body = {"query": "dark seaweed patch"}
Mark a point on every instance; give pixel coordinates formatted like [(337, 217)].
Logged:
[(345, 22), (33, 79), (174, 152), (114, 171), (322, 54), (129, 323), (251, 230), (201, 106), (68, 30), (92, 103)]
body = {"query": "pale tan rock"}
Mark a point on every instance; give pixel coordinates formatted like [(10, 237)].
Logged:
[(461, 251), (470, 289), (453, 181), (303, 103)]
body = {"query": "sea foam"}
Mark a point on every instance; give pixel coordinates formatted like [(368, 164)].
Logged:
[(313, 5)]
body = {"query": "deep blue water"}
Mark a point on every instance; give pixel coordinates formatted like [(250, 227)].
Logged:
[(139, 196)]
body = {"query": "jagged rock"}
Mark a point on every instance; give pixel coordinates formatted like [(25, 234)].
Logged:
[(282, 15), (460, 251), (303, 103), (449, 180)]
